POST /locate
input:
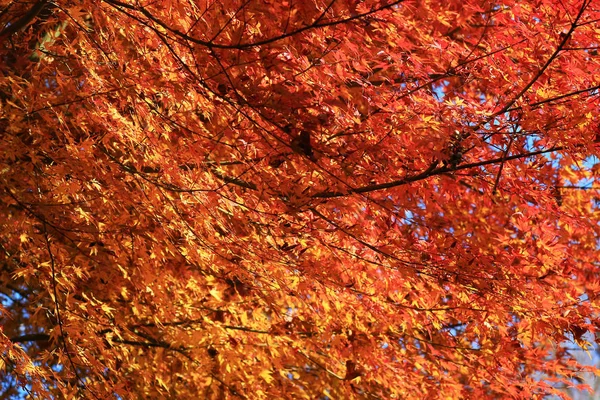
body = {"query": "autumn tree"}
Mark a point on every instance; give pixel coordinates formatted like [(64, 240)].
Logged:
[(297, 199)]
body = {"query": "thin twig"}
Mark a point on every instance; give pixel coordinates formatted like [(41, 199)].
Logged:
[(497, 181)]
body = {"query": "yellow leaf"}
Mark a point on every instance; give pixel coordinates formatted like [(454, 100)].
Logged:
[(266, 375), (108, 310), (214, 292), (162, 383)]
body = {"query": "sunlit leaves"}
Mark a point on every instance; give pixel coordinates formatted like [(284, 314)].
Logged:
[(298, 199)]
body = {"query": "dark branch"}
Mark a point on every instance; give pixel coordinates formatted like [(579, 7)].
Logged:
[(541, 71), (429, 173), (25, 19), (31, 337), (315, 25)]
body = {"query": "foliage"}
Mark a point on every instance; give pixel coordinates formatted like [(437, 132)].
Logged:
[(297, 199)]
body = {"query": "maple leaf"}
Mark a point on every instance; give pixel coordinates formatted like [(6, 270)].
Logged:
[(261, 199)]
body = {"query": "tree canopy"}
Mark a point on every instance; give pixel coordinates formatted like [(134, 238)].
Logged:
[(297, 199)]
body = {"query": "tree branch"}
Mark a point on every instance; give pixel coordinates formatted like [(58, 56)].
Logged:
[(25, 19), (240, 46), (31, 337), (541, 71), (429, 173)]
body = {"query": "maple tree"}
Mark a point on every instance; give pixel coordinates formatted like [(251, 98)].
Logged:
[(312, 199)]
